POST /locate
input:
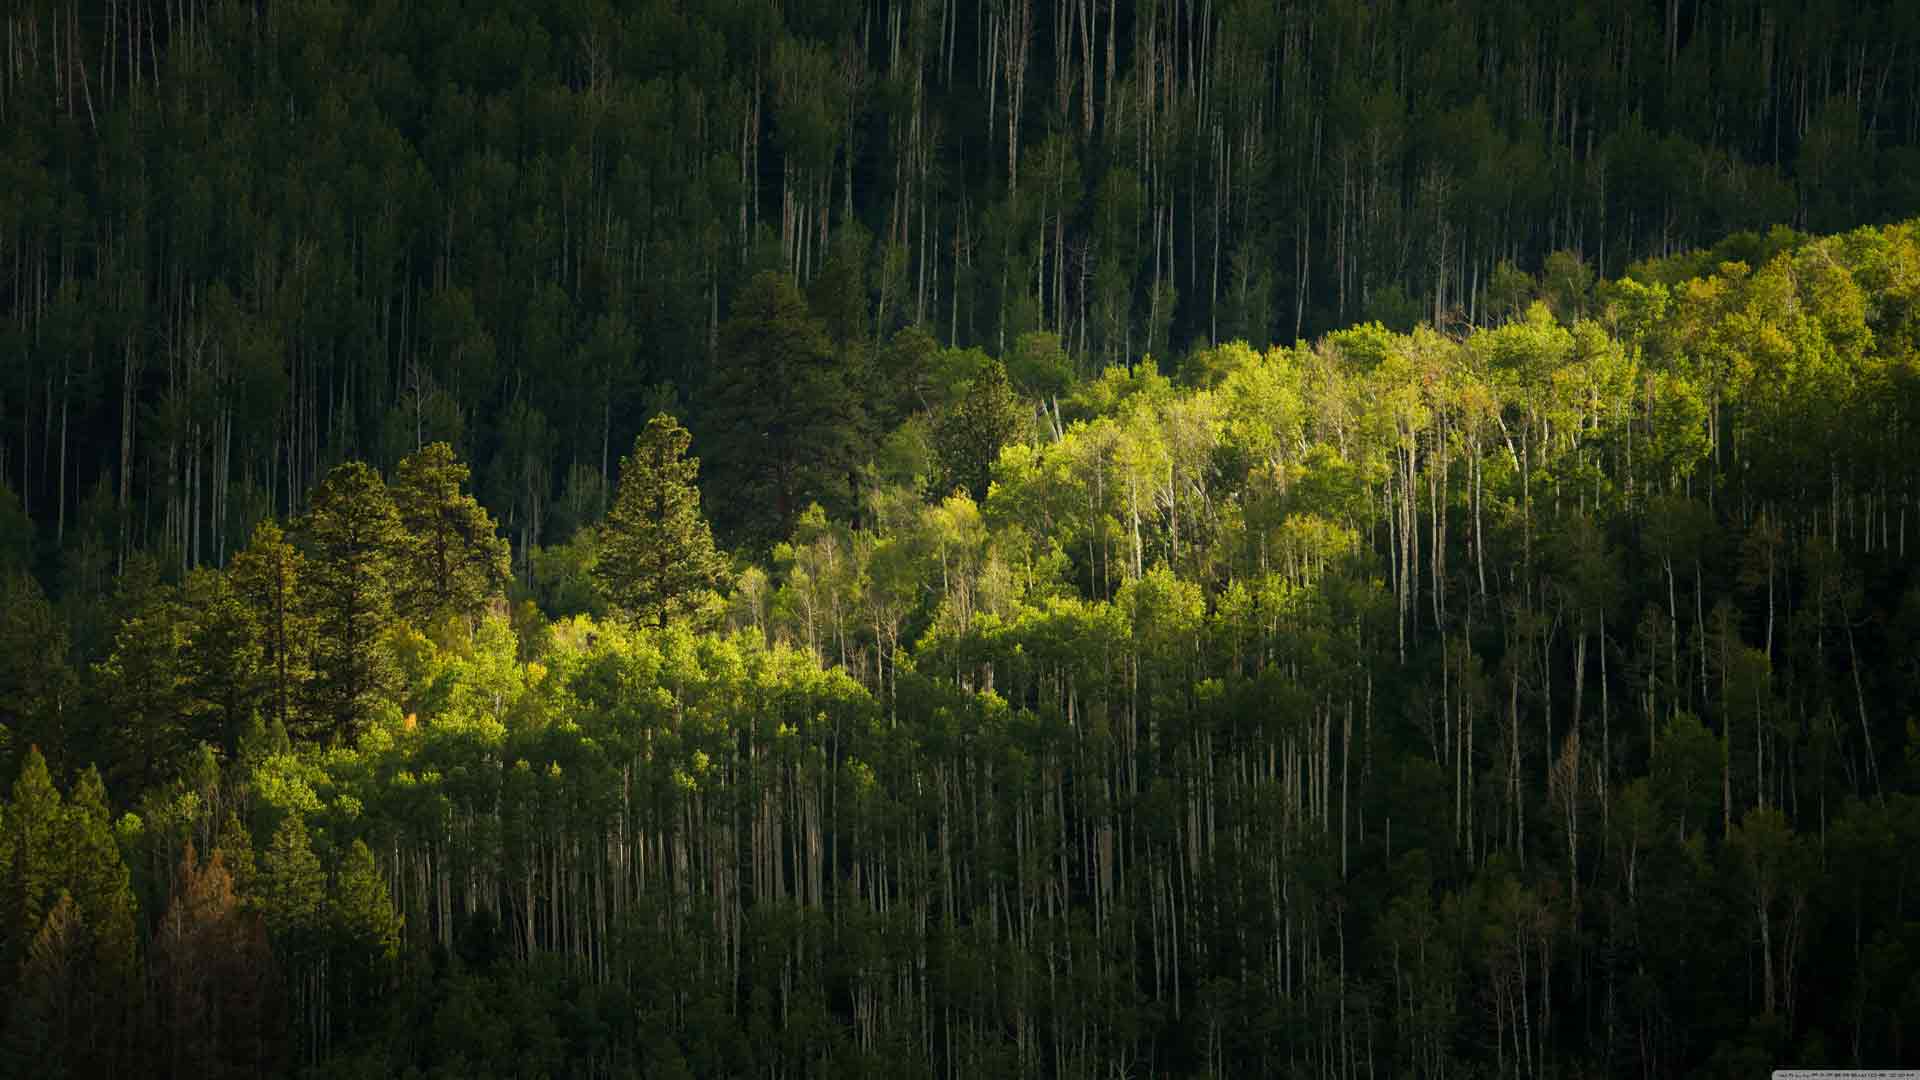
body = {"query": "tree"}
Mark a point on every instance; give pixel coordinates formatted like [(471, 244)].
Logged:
[(214, 975), (142, 688), (226, 677), (968, 437), (1777, 872), (291, 898), (267, 577), (452, 560), (351, 533), (102, 893), (46, 1005), (33, 860), (787, 427), (364, 932), (656, 556), (36, 685)]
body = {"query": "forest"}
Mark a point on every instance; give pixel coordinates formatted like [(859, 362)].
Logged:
[(920, 539)]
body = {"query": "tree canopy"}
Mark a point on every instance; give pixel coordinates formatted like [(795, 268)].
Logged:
[(1293, 539)]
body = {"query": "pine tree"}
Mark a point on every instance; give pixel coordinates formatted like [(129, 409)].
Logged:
[(656, 555), (291, 896), (32, 860), (268, 577), (452, 559), (788, 428), (235, 849), (351, 532), (291, 884), (225, 669), (364, 932), (214, 975), (142, 691), (44, 1008), (968, 438), (102, 893), (36, 686)]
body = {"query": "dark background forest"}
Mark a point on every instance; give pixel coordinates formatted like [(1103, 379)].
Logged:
[(1246, 538)]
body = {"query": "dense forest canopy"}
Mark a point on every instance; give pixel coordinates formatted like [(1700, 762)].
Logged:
[(918, 540), (1530, 700), (241, 242)]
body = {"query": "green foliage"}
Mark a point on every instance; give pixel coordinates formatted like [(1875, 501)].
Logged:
[(787, 424), (967, 438), (16, 534), (292, 889), (1411, 700), (33, 853), (450, 562), (654, 559), (267, 577), (350, 535), (36, 685)]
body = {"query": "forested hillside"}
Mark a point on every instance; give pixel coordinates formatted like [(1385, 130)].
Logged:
[(1533, 700), (241, 242), (921, 539)]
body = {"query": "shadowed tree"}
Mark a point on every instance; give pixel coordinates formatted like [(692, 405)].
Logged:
[(968, 438), (214, 975), (290, 895), (788, 427), (351, 532), (226, 677), (102, 893), (36, 685), (267, 576)]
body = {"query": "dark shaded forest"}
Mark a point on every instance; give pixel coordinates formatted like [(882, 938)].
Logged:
[(1091, 540)]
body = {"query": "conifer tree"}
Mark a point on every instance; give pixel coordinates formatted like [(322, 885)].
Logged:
[(214, 976), (657, 560), (235, 850), (788, 427), (102, 892), (43, 1013), (363, 930), (291, 895), (268, 577), (452, 560), (142, 689), (225, 671), (291, 884), (36, 686), (32, 860), (968, 438), (351, 532)]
